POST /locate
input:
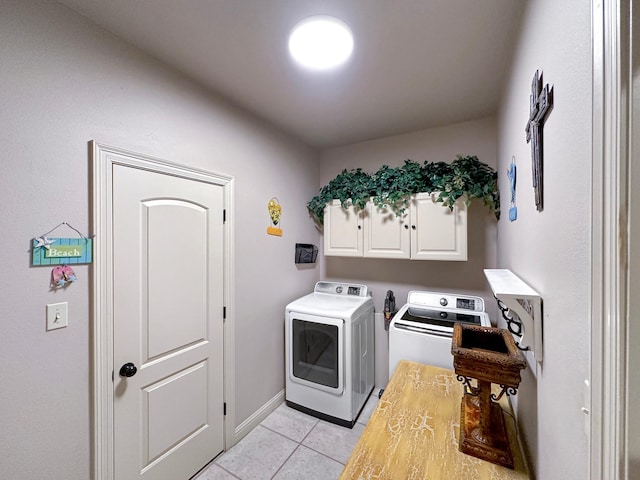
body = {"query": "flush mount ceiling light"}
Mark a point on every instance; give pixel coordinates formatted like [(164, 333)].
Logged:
[(321, 42)]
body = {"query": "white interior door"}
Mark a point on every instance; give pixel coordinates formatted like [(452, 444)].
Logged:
[(168, 322)]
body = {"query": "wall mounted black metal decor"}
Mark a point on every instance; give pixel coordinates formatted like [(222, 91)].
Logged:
[(540, 105)]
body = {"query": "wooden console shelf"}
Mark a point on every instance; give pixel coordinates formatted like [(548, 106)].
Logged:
[(413, 433)]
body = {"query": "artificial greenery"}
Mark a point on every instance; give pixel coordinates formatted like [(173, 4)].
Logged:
[(392, 186)]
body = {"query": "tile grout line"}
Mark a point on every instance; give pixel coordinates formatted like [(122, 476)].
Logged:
[(309, 432), (295, 449), (313, 449), (289, 438), (227, 471), (301, 444), (324, 455), (213, 463), (285, 462), (267, 428)]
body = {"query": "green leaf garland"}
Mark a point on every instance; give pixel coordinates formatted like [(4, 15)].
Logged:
[(393, 186)]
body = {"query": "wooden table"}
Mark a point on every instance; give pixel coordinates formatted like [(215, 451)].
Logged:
[(413, 433)]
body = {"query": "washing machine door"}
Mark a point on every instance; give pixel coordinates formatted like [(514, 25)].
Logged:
[(315, 351)]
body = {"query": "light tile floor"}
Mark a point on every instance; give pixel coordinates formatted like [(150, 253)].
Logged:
[(290, 445)]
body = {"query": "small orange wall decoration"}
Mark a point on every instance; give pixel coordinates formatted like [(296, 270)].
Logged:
[(275, 212)]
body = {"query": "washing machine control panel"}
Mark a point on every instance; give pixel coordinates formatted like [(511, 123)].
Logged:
[(446, 300), (346, 289), (466, 303)]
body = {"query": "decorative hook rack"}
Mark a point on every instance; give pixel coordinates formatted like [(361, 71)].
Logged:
[(521, 307)]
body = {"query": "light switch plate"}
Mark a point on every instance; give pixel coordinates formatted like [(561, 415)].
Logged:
[(57, 315)]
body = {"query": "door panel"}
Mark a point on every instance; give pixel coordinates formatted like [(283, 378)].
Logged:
[(170, 423), (167, 320), (177, 302)]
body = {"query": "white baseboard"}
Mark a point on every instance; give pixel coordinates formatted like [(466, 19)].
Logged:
[(258, 416)]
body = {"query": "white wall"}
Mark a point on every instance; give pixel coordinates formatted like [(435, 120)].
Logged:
[(64, 82), (438, 144), (550, 250)]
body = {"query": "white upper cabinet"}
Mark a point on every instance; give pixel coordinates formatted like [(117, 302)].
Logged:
[(437, 233), (385, 234), (426, 231), (343, 232)]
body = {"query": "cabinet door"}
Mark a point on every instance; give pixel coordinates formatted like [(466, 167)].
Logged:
[(437, 233), (385, 234), (342, 230)]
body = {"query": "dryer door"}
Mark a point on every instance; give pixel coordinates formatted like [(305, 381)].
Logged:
[(316, 352)]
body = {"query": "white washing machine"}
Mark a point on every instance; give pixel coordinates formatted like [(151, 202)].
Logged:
[(422, 329), (329, 352)]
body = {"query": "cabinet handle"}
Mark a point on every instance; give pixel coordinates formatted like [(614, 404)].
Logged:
[(406, 227), (359, 227), (413, 227)]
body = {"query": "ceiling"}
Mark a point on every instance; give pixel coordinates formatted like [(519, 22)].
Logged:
[(417, 63)]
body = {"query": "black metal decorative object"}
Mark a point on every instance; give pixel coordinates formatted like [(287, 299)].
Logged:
[(504, 389), (469, 388), (514, 325), (540, 105)]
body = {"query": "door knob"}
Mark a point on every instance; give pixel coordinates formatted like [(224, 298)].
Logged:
[(128, 370)]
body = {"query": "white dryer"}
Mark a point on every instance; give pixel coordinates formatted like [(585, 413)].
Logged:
[(329, 352)]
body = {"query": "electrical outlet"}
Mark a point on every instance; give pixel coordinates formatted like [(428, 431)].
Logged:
[(57, 315)]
